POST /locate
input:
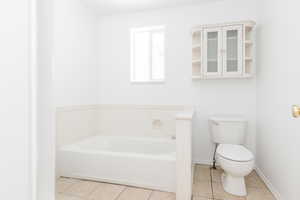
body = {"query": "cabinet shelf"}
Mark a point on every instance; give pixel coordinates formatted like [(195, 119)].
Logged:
[(231, 38), (248, 42), (196, 77), (196, 46), (212, 39), (196, 61), (212, 60)]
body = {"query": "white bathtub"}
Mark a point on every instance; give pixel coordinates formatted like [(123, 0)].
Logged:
[(142, 162)]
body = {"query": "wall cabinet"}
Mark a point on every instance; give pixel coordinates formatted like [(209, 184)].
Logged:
[(223, 51)]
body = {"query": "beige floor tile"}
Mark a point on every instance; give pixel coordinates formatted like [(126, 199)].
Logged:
[(157, 195), (258, 194), (202, 189), (82, 188), (216, 175), (131, 193), (253, 173), (106, 191), (62, 184), (201, 173), (220, 194), (201, 198), (66, 197), (254, 181)]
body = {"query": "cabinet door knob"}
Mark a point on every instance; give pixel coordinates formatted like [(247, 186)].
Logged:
[(296, 111)]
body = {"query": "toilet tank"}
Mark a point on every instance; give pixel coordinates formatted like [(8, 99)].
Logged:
[(228, 129)]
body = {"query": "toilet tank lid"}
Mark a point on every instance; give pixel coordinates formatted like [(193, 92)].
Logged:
[(235, 152), (228, 118)]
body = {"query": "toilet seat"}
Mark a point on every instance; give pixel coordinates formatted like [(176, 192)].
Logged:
[(237, 153)]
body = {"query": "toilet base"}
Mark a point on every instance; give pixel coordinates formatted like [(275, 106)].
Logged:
[(234, 185)]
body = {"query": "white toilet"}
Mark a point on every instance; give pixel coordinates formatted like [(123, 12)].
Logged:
[(235, 159)]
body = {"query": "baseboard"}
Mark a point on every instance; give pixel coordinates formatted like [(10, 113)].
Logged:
[(202, 162), (268, 183)]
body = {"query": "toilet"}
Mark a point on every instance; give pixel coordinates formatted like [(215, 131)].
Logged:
[(234, 158)]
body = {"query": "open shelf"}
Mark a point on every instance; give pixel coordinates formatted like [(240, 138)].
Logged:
[(196, 53), (196, 46), (196, 61), (197, 37), (196, 77), (248, 50), (196, 70), (248, 33), (248, 68), (248, 42)]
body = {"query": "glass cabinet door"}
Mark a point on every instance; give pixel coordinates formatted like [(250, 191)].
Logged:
[(212, 47), (232, 50)]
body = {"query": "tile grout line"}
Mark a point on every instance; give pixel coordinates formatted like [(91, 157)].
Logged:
[(81, 197), (68, 187), (88, 195), (150, 195), (211, 184), (118, 196)]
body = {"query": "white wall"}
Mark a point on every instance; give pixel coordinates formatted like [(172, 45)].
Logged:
[(75, 54), (15, 99), (209, 97), (74, 123), (44, 132), (278, 83)]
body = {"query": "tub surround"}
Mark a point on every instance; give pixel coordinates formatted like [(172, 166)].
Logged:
[(78, 125), (74, 123), (184, 163)]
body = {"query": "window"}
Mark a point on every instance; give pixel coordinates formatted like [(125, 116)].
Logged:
[(148, 54)]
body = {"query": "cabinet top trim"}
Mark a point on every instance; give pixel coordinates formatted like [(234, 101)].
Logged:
[(246, 23)]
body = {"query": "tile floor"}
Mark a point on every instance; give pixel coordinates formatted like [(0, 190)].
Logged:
[(207, 186)]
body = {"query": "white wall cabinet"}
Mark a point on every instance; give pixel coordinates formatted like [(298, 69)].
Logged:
[(223, 51)]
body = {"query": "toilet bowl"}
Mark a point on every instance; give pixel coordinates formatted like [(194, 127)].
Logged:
[(237, 162)]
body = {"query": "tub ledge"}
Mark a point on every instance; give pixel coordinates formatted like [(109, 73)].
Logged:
[(184, 167), (185, 115)]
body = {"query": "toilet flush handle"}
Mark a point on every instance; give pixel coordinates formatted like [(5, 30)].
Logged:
[(296, 111)]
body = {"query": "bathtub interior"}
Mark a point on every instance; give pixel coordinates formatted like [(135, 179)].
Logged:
[(126, 145)]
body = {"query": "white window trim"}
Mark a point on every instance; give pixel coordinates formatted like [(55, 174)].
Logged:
[(150, 29)]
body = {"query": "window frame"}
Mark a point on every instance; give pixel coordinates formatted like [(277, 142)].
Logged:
[(151, 30)]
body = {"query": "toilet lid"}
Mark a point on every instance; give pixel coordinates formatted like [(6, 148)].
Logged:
[(234, 152)]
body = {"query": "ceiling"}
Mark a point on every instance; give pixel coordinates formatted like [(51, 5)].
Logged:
[(109, 7)]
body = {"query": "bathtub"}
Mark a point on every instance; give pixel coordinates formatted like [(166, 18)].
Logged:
[(135, 161)]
